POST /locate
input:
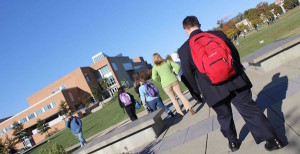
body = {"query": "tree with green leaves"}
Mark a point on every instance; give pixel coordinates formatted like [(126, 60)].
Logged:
[(125, 83), (230, 33), (253, 16), (63, 108), (289, 4), (42, 127), (277, 9), (87, 100), (263, 8), (242, 27), (221, 22), (2, 146), (246, 13), (295, 3), (9, 143), (104, 85), (239, 17), (55, 149), (97, 93), (19, 133)]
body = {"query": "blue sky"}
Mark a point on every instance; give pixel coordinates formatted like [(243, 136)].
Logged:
[(41, 41)]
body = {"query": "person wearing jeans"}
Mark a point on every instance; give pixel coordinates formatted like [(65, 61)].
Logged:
[(163, 71), (154, 101), (75, 124), (81, 139)]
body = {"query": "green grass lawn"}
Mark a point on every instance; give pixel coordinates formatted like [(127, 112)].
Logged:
[(287, 25), (108, 116)]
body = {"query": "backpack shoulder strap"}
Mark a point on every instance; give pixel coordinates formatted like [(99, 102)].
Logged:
[(69, 123), (147, 85), (121, 97), (77, 120)]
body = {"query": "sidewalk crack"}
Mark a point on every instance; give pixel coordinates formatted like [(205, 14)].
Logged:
[(206, 143), (185, 135)]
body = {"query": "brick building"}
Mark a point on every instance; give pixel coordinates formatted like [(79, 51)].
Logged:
[(72, 88)]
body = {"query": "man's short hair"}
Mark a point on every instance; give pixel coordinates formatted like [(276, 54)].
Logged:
[(190, 21)]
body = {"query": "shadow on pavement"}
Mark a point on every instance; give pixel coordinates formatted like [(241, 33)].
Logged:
[(200, 107), (190, 100), (150, 148), (270, 98)]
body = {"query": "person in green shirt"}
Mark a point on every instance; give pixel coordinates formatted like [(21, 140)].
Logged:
[(162, 72)]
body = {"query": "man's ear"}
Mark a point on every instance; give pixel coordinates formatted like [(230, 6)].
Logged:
[(187, 32)]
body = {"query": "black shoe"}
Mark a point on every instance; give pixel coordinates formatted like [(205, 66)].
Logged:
[(171, 114), (273, 144), (234, 146)]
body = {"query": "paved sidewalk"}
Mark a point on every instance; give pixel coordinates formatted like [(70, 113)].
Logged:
[(276, 92)]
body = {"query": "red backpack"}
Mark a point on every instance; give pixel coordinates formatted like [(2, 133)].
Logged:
[(212, 57)]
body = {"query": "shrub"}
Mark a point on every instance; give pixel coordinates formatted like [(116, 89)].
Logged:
[(55, 149)]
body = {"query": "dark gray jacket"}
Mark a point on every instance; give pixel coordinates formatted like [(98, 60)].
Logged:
[(200, 82)]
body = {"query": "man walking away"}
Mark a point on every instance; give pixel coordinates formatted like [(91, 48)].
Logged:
[(212, 61), (75, 124)]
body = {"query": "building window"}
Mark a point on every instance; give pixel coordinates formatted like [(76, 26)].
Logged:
[(47, 107), (8, 128), (58, 89), (22, 121), (113, 90), (110, 81), (1, 132), (127, 66), (87, 78), (53, 92), (104, 70), (63, 87), (97, 75), (98, 57), (38, 112), (31, 116), (53, 104), (114, 66)]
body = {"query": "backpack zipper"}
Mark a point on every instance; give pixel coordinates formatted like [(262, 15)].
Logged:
[(219, 60)]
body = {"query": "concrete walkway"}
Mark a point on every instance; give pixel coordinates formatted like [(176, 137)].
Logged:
[(276, 92)]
